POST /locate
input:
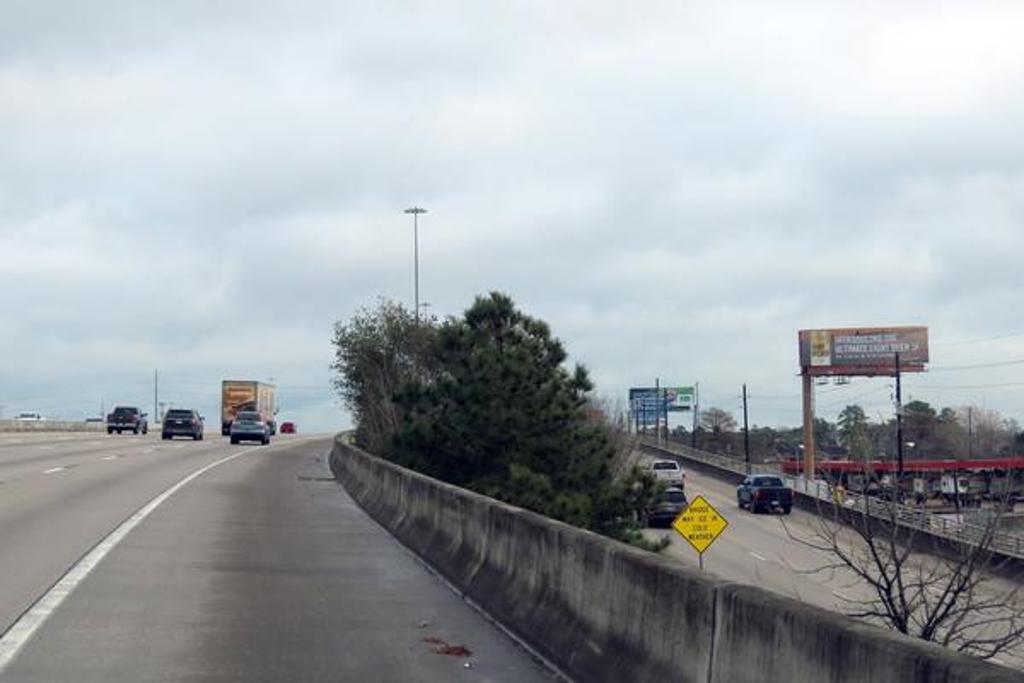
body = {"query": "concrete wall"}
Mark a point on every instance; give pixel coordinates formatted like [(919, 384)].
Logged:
[(604, 611), (51, 426)]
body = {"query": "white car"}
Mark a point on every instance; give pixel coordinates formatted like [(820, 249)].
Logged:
[(29, 416), (669, 472)]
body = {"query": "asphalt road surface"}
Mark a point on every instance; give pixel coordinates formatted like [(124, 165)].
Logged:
[(259, 569), (763, 550)]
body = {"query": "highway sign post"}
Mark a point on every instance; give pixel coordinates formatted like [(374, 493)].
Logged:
[(700, 524)]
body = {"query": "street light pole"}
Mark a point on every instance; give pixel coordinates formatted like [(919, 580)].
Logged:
[(416, 211)]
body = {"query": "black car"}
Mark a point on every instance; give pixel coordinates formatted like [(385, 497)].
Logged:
[(667, 507), (179, 422), (127, 419)]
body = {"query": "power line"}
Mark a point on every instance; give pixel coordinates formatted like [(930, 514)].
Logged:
[(976, 366), (849, 399), (997, 385), (978, 340)]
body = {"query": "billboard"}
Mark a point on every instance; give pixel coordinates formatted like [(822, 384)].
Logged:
[(863, 350), (648, 404), (680, 398)]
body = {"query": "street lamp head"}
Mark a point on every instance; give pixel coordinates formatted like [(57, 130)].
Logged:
[(415, 209)]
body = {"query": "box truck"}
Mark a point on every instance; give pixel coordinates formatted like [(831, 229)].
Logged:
[(242, 394)]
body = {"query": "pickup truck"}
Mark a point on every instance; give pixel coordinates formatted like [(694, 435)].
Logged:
[(764, 492), (668, 472), (127, 419)]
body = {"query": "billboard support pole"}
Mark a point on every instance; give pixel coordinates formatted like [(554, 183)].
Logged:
[(808, 392), (899, 426)]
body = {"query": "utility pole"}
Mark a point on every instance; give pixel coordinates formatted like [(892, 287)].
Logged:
[(664, 407), (657, 410), (696, 414), (970, 433), (899, 425), (746, 431), (156, 394), (416, 211)]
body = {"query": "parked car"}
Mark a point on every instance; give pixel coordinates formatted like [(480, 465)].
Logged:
[(287, 427), (182, 422), (764, 492), (29, 416), (668, 471), (667, 507), (250, 426), (127, 418)]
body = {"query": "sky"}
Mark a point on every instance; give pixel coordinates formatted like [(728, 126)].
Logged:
[(202, 189)]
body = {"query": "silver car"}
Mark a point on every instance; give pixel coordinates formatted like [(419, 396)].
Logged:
[(250, 426)]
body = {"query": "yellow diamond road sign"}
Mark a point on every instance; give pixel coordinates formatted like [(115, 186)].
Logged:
[(700, 524)]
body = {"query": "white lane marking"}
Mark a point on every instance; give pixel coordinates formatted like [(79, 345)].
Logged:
[(756, 556), (15, 637), (54, 470), (111, 457), (180, 445), (47, 448), (149, 450)]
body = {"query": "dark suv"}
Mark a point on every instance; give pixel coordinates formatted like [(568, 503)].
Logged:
[(127, 419), (178, 422)]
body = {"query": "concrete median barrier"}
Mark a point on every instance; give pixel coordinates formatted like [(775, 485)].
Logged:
[(603, 611), (50, 426)]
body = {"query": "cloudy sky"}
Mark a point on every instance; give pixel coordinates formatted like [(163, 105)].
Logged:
[(203, 188)]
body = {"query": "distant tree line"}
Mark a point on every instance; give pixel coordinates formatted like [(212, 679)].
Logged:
[(485, 401), (956, 433)]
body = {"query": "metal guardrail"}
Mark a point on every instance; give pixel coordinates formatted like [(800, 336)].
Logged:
[(911, 517)]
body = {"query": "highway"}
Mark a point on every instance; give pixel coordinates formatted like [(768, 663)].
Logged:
[(761, 550), (261, 568)]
